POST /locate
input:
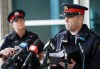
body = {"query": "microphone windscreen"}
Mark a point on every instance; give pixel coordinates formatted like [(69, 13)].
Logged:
[(33, 49), (26, 43), (38, 43), (50, 45)]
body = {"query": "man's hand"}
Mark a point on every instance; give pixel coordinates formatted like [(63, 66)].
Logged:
[(4, 54), (7, 52), (69, 66)]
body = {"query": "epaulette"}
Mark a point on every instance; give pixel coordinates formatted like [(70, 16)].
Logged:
[(6, 35), (10, 36), (61, 30), (95, 33)]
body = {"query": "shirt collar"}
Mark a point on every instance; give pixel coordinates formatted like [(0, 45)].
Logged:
[(17, 34), (84, 29)]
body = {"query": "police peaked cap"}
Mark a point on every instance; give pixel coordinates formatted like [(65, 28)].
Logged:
[(15, 14), (73, 9)]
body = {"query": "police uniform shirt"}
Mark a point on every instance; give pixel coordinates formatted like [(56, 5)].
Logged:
[(13, 40), (91, 46)]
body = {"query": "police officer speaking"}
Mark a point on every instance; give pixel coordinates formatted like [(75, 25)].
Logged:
[(79, 37), (19, 35)]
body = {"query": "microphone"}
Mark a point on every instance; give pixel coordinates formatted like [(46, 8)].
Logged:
[(50, 45), (64, 40), (22, 46), (78, 40), (34, 50), (64, 44)]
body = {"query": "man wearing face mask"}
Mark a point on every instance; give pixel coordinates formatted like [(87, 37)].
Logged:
[(74, 16)]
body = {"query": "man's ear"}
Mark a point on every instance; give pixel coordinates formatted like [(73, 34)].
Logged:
[(81, 18), (12, 25)]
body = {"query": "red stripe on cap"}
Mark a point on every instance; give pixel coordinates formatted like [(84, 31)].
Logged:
[(75, 10), (14, 16)]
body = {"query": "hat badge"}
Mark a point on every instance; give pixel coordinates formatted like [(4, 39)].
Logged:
[(16, 13), (65, 8), (79, 12)]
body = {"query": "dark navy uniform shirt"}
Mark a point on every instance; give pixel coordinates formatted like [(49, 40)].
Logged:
[(90, 45), (13, 40)]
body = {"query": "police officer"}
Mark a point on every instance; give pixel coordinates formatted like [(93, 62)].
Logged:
[(19, 35), (78, 36)]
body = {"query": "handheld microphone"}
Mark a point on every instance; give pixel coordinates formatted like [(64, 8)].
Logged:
[(22, 46), (34, 50), (64, 45), (50, 45), (64, 40)]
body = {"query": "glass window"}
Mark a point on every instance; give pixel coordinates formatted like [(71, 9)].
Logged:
[(95, 15), (41, 10)]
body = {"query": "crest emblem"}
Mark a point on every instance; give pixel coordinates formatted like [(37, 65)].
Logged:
[(79, 12), (16, 13), (65, 8)]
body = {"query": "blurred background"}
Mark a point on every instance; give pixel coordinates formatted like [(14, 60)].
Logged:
[(42, 16)]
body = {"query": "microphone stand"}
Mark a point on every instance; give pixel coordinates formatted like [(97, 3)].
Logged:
[(65, 58), (65, 43), (26, 61), (46, 61), (83, 56), (78, 42)]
